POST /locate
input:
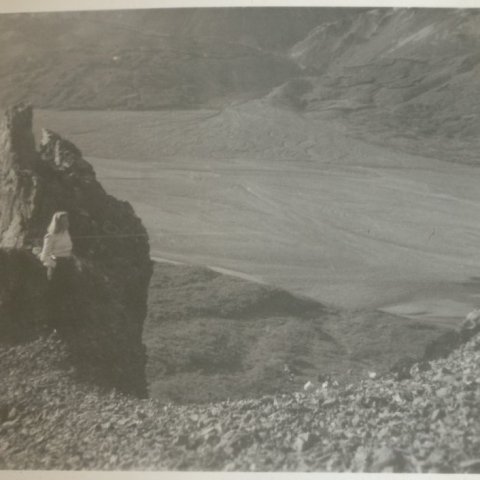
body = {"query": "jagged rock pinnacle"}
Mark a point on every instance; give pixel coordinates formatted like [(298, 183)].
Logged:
[(17, 144), (17, 177), (111, 246), (62, 154)]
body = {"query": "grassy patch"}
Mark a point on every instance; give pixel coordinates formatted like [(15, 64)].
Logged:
[(211, 336)]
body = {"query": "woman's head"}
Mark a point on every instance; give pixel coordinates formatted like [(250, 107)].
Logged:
[(59, 223)]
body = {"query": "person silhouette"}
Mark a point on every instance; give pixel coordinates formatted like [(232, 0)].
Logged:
[(56, 256), (57, 245)]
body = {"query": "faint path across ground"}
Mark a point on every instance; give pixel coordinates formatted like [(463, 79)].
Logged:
[(225, 271)]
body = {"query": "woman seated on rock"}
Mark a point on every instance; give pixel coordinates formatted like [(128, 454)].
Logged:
[(56, 253)]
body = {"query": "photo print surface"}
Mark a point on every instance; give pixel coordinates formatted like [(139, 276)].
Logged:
[(240, 239)]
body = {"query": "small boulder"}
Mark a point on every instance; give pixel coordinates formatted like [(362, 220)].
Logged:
[(388, 459)]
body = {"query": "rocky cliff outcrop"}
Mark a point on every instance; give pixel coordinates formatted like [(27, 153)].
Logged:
[(103, 318)]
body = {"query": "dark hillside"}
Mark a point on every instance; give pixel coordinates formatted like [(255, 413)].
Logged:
[(211, 336)]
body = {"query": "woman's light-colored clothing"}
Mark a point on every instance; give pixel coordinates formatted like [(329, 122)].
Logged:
[(55, 245)]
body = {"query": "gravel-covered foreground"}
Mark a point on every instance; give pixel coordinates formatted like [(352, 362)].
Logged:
[(429, 422)]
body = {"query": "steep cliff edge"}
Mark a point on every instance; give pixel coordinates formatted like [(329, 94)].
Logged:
[(102, 321)]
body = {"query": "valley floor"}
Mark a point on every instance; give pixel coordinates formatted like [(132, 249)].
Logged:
[(294, 201)]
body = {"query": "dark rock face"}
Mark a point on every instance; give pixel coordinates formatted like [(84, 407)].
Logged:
[(23, 288), (102, 319), (18, 179)]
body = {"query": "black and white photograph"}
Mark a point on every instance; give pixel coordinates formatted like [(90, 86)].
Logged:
[(240, 238)]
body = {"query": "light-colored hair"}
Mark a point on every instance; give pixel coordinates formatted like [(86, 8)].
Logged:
[(56, 225)]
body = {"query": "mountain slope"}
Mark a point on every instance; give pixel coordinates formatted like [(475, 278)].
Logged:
[(403, 78), (148, 59)]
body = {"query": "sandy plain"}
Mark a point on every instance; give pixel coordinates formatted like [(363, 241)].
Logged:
[(292, 200)]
